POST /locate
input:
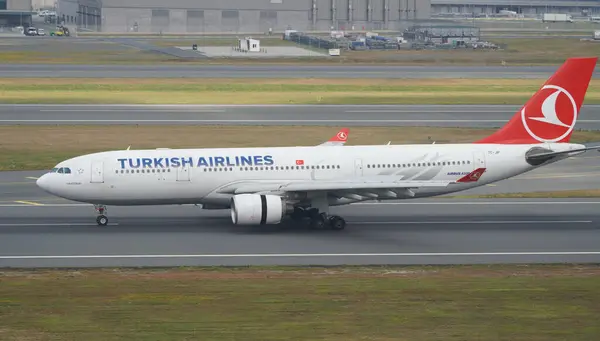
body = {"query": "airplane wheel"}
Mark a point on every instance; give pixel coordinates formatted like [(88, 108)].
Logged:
[(102, 220), (337, 223), (317, 223)]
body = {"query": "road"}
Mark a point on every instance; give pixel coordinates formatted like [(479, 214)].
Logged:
[(347, 115), (39, 230), (271, 71)]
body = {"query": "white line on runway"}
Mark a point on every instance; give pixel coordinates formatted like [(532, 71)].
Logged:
[(53, 224), (297, 255), (359, 223), (253, 121), (266, 121), (484, 203), (375, 203), (418, 111), (470, 222), (134, 110)]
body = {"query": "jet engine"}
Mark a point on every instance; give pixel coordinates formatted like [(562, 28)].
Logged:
[(257, 209)]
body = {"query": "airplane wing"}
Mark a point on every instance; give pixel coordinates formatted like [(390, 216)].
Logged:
[(339, 139), (391, 186)]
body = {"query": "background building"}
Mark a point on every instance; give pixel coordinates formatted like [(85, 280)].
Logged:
[(258, 15), (15, 13), (527, 8)]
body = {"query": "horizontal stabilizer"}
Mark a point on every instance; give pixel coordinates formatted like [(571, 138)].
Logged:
[(546, 155)]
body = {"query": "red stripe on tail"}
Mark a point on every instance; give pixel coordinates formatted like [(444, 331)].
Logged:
[(550, 115)]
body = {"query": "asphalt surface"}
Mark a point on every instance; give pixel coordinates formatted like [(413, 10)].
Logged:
[(38, 230), (427, 232), (271, 71), (347, 115)]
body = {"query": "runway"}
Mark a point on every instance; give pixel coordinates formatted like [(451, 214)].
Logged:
[(347, 115), (38, 230), (271, 71), (427, 232)]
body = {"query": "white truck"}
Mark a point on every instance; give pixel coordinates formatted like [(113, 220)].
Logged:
[(557, 17)]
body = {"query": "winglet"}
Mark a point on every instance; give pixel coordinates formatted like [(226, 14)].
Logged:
[(473, 176), (338, 139)]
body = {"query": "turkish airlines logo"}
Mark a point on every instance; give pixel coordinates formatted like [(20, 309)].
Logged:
[(554, 118), (342, 136)]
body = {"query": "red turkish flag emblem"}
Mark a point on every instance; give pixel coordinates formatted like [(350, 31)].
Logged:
[(299, 162)]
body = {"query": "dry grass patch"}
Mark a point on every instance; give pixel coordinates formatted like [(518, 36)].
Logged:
[(274, 91), (41, 147), (9, 82), (266, 97)]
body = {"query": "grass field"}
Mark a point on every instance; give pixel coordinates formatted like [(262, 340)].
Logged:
[(273, 91), (533, 303), (519, 51), (41, 147)]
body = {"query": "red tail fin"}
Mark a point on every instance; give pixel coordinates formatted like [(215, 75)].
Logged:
[(341, 136), (550, 115)]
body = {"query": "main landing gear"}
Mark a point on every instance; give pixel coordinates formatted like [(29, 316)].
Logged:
[(101, 219), (318, 220)]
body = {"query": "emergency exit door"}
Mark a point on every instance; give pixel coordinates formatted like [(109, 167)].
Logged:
[(478, 160), (97, 172)]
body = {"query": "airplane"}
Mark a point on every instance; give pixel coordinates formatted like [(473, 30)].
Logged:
[(267, 185)]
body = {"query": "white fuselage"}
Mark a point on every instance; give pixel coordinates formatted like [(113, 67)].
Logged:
[(142, 177)]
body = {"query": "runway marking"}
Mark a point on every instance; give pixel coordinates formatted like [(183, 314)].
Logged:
[(356, 223), (471, 222), (484, 203), (133, 110), (44, 205), (253, 121), (53, 224), (29, 203), (258, 121), (418, 110), (304, 255), (31, 177), (368, 203)]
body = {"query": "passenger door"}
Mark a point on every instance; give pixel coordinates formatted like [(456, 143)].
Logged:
[(183, 173), (97, 172)]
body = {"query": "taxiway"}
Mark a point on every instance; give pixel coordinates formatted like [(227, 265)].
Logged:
[(346, 115)]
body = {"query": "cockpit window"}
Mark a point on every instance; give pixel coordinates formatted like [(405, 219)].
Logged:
[(61, 170)]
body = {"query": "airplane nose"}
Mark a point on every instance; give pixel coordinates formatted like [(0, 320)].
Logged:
[(42, 182)]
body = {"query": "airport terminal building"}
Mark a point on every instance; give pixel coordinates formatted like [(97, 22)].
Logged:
[(527, 8), (197, 16)]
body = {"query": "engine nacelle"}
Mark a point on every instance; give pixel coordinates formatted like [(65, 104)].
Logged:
[(257, 209)]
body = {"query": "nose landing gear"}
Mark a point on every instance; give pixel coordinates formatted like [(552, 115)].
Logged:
[(101, 219)]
